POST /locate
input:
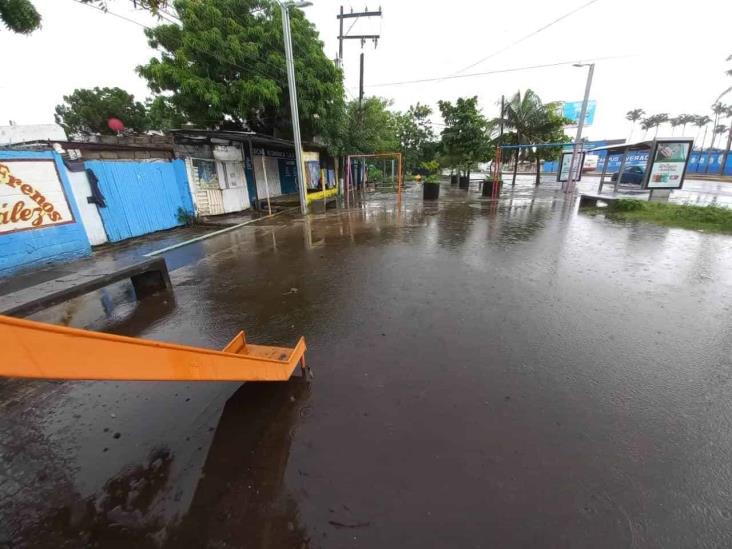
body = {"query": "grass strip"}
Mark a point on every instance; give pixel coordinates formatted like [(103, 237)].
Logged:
[(687, 216)]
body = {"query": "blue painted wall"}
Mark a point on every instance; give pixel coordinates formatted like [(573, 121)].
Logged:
[(141, 197), (40, 246), (708, 163)]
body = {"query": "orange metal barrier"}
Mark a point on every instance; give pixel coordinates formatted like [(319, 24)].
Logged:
[(37, 350)]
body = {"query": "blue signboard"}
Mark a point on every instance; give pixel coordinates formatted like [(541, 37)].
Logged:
[(572, 110)]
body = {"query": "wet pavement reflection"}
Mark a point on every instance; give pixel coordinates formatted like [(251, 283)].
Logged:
[(487, 373)]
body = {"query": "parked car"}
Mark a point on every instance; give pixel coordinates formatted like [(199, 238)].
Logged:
[(631, 174)]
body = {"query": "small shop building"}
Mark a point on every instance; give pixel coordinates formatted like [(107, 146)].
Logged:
[(230, 171)]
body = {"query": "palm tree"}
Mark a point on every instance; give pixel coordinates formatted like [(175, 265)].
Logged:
[(719, 129), (634, 115), (718, 109), (523, 115), (686, 119), (646, 124), (653, 121), (701, 122), (675, 121), (659, 119)]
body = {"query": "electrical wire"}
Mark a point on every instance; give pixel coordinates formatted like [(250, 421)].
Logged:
[(497, 71), (530, 35)]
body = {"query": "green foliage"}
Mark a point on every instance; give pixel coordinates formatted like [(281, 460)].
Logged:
[(19, 16), (415, 135), (185, 217), (367, 130), (627, 205), (431, 167), (531, 121), (163, 115), (225, 63), (375, 174), (551, 130), (703, 218), (466, 137), (86, 111), (22, 17), (154, 6)]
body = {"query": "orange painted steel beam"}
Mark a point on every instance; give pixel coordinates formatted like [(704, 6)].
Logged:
[(46, 351)]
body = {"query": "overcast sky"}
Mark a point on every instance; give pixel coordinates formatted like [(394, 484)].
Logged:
[(669, 55)]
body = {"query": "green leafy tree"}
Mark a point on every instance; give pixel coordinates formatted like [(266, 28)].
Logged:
[(19, 16), (86, 111), (163, 115), (416, 136), (225, 64), (634, 116), (466, 136), (370, 128), (550, 130)]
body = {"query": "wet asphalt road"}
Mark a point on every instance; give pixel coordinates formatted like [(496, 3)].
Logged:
[(511, 374)]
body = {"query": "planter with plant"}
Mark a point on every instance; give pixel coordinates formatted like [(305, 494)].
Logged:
[(488, 190), (431, 187)]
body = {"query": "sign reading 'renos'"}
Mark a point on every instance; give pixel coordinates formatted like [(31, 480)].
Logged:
[(31, 196)]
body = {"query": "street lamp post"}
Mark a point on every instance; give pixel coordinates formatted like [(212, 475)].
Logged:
[(293, 98), (580, 124)]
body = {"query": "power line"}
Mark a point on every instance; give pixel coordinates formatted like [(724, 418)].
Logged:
[(526, 37), (498, 71), (247, 70)]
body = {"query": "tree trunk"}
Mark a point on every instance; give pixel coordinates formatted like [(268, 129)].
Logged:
[(538, 171), (725, 156), (515, 169)]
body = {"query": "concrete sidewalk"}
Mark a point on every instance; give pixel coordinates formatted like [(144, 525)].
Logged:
[(107, 257)]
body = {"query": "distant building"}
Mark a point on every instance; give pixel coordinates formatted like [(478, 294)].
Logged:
[(14, 133)]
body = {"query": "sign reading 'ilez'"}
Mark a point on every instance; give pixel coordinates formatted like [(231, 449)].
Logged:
[(31, 195)]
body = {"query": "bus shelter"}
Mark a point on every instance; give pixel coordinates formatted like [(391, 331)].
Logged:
[(657, 164)]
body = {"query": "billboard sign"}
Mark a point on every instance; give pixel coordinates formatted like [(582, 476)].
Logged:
[(670, 159), (573, 109), (31, 196), (565, 161)]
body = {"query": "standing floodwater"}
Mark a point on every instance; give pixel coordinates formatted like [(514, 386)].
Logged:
[(487, 374)]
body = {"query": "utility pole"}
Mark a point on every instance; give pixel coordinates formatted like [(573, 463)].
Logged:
[(361, 37), (360, 84), (503, 110), (293, 102), (339, 61), (580, 124)]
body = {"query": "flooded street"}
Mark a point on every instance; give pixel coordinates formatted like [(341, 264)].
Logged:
[(487, 374)]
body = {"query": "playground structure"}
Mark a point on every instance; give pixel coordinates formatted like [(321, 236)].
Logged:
[(45, 351), (351, 186)]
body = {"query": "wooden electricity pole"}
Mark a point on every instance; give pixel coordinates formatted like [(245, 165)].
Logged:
[(362, 37)]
